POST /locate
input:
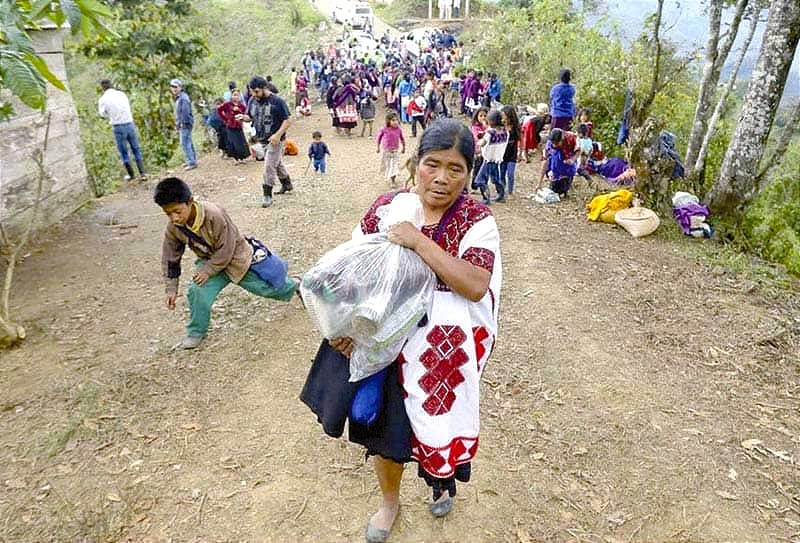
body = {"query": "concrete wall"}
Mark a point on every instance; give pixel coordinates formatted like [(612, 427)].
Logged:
[(22, 135)]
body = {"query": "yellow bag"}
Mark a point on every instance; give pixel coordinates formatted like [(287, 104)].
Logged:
[(605, 206)]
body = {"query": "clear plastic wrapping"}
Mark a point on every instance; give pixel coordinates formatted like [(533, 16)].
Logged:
[(371, 290)]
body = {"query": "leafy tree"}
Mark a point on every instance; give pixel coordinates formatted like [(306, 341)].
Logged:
[(154, 43), (22, 71), (738, 178)]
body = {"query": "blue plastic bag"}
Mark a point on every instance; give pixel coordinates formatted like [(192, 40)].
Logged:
[(368, 399)]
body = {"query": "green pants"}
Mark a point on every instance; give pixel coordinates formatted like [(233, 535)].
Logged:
[(202, 297)]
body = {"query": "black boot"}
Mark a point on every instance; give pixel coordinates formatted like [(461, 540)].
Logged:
[(140, 165), (129, 170), (286, 185), (501, 192), (267, 196)]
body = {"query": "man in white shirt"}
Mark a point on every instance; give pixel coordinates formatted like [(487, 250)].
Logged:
[(114, 106)]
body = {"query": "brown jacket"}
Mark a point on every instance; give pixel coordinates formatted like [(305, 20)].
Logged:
[(218, 243)]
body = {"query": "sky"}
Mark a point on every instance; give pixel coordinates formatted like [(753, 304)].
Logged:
[(687, 25)]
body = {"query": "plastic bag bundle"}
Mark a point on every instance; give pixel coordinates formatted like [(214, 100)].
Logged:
[(371, 290)]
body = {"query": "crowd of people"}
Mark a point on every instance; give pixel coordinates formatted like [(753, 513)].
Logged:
[(429, 407)]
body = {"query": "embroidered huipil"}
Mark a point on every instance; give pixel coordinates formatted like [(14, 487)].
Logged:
[(441, 364)]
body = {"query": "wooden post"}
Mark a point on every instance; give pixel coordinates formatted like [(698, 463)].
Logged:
[(430, 9), (466, 10)]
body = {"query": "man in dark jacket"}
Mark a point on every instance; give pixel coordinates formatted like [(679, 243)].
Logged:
[(184, 121), (270, 117)]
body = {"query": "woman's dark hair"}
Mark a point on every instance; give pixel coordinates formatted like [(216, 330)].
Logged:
[(583, 130), (477, 111), (494, 118), (585, 110), (231, 85), (565, 75), (172, 190), (556, 135), (513, 122), (444, 134)]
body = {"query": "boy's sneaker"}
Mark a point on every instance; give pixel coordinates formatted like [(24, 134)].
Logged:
[(190, 342), (190, 167)]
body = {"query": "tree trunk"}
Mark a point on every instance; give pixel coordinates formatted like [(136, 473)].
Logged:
[(774, 160), (738, 176), (706, 91), (716, 56), (640, 112), (700, 163)]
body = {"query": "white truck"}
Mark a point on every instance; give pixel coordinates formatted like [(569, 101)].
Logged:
[(356, 14)]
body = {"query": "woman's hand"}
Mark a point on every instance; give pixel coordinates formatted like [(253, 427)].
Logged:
[(405, 234), (342, 344)]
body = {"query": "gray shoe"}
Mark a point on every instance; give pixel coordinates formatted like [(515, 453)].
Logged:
[(376, 535), (442, 507), (190, 342), (267, 201)]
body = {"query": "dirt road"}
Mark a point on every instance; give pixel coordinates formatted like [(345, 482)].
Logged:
[(635, 394)]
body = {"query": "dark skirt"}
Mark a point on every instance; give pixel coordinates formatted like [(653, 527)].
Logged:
[(237, 145), (329, 394)]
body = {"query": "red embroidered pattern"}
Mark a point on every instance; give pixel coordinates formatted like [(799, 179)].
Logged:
[(480, 334), (478, 256), (442, 461), (442, 359), (369, 223)]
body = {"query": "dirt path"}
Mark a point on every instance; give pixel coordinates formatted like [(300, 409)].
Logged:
[(626, 380)]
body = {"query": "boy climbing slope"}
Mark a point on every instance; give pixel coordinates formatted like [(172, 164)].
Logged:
[(224, 255)]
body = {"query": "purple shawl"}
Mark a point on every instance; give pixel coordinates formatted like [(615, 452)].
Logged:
[(683, 214), (346, 94)]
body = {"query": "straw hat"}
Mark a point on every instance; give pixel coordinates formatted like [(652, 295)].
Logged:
[(638, 221)]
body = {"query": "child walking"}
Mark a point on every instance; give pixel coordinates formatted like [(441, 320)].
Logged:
[(317, 151), (224, 256), (367, 112), (390, 140), (416, 111), (478, 129), (509, 165), (493, 148)]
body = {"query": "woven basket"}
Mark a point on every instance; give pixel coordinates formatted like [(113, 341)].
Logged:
[(638, 221)]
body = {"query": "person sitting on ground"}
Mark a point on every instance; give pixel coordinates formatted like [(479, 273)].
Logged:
[(304, 108), (224, 256), (421, 419), (584, 147), (257, 149), (585, 119), (559, 168)]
